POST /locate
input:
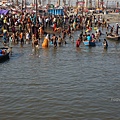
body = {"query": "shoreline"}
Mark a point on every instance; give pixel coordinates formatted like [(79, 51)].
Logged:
[(112, 17)]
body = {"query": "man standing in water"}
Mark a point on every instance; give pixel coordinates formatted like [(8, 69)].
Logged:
[(36, 47), (105, 44), (117, 29), (21, 38), (78, 42)]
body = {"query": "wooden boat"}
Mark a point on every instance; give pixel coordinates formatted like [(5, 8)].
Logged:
[(113, 37), (4, 54), (89, 43)]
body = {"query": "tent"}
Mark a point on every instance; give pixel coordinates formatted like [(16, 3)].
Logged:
[(2, 11), (56, 11)]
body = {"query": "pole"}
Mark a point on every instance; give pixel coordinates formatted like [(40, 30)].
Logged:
[(17, 2), (77, 3), (107, 5), (82, 7), (36, 12), (59, 2), (82, 15), (98, 4), (36, 18), (102, 4), (22, 7), (25, 5), (40, 2), (90, 4)]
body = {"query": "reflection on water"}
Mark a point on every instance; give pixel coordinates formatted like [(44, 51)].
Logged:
[(63, 83), (105, 50)]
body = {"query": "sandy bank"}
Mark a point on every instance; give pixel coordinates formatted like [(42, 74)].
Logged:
[(112, 17)]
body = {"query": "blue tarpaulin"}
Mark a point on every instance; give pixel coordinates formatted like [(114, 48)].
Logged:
[(4, 12), (56, 11)]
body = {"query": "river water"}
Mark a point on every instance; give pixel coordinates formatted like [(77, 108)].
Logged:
[(64, 83)]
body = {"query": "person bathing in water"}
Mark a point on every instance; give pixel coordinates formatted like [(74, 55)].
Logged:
[(78, 42), (105, 43)]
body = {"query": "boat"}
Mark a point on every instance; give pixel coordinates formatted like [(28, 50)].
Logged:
[(4, 54), (113, 37), (89, 43)]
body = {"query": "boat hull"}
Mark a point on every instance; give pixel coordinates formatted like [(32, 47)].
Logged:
[(4, 57), (113, 38)]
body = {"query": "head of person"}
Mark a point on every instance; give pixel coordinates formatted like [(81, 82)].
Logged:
[(104, 39)]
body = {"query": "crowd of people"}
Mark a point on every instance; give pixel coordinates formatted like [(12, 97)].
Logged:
[(26, 28)]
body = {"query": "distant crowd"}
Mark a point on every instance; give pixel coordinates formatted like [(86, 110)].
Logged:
[(27, 28)]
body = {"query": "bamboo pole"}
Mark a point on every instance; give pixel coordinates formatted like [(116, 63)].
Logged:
[(17, 2), (25, 4), (59, 2), (36, 12), (22, 7)]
